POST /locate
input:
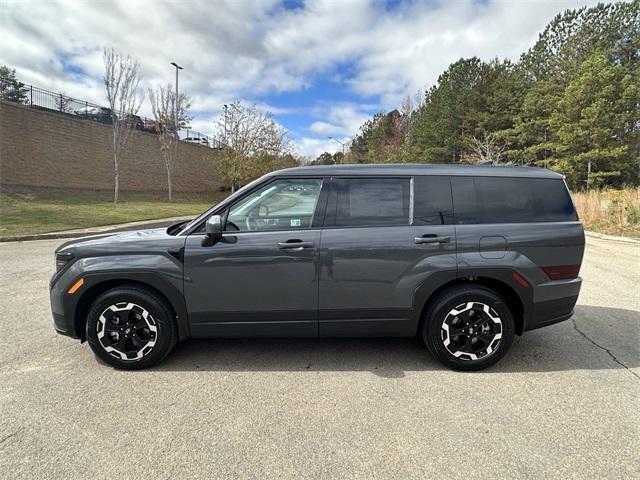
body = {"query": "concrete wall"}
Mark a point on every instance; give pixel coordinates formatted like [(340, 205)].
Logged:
[(43, 149)]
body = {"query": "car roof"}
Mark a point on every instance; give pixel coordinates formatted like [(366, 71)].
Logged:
[(419, 169)]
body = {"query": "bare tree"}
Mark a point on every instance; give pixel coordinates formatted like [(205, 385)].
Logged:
[(64, 103), (487, 149), (252, 143), (406, 115), (121, 81), (408, 109), (166, 109)]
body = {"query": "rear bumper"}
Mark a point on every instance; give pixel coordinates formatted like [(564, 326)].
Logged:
[(553, 302)]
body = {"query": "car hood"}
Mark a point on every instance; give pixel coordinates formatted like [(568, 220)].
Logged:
[(138, 241)]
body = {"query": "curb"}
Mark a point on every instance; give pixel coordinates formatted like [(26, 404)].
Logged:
[(98, 230), (613, 238)]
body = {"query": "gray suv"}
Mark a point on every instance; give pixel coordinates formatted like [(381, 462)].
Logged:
[(465, 257)]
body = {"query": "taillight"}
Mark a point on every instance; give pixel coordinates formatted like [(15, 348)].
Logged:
[(562, 272)]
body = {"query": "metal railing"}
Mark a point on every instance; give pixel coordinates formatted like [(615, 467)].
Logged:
[(41, 99)]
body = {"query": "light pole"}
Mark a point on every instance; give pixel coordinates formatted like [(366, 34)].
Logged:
[(175, 100), (341, 143), (225, 122)]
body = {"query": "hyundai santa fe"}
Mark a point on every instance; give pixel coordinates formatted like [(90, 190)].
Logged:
[(464, 257)]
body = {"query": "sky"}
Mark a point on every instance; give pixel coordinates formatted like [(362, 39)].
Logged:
[(322, 68)]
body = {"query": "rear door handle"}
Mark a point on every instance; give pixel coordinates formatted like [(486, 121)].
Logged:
[(431, 239), (295, 244)]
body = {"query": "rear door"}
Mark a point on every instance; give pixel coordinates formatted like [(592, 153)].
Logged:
[(383, 238)]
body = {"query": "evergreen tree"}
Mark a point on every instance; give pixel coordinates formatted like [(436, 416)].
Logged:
[(11, 89), (596, 124), (447, 114)]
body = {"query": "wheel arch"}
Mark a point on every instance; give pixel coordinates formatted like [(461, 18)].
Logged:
[(98, 284), (514, 300)]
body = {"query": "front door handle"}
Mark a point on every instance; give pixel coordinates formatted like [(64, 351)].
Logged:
[(295, 244), (429, 238)]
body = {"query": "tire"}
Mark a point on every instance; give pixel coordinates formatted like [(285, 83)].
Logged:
[(130, 328), (468, 327)]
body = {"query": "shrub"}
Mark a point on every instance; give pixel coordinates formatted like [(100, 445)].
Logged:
[(615, 212)]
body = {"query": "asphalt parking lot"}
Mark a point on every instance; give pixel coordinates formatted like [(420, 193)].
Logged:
[(563, 404)]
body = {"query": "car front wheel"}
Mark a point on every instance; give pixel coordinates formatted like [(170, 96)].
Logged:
[(468, 327), (130, 328)]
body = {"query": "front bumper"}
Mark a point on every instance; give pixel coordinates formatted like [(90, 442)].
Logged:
[(60, 325), (553, 302), (63, 304)]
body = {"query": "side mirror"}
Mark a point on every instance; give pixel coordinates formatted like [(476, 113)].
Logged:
[(213, 227)]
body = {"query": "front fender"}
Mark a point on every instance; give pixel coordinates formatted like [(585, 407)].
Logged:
[(162, 273)]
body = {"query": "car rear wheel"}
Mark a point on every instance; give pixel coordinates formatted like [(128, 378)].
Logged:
[(468, 328), (130, 328)]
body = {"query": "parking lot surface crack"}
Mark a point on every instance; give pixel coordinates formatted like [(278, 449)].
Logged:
[(7, 437), (613, 357)]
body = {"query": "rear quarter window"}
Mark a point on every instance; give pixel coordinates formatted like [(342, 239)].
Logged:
[(511, 200)]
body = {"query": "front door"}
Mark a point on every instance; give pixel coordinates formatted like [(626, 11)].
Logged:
[(261, 278), (383, 238)]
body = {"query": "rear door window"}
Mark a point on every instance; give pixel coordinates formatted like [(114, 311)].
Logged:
[(511, 200), (432, 201), (372, 202)]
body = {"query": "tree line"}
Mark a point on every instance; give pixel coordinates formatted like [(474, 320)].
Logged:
[(571, 103)]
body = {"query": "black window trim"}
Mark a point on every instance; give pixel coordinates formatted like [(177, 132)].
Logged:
[(224, 209)]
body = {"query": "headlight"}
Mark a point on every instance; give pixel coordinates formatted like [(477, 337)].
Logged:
[(62, 260)]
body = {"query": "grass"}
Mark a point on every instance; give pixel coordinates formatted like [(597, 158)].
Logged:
[(26, 214), (615, 212)]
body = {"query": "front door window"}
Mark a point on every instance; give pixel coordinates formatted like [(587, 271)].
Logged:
[(285, 204)]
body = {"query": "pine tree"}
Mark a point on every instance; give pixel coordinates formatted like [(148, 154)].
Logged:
[(11, 89), (596, 123)]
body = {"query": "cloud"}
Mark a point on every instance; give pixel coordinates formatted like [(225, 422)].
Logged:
[(311, 147), (370, 52), (324, 128), (341, 118), (266, 107)]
